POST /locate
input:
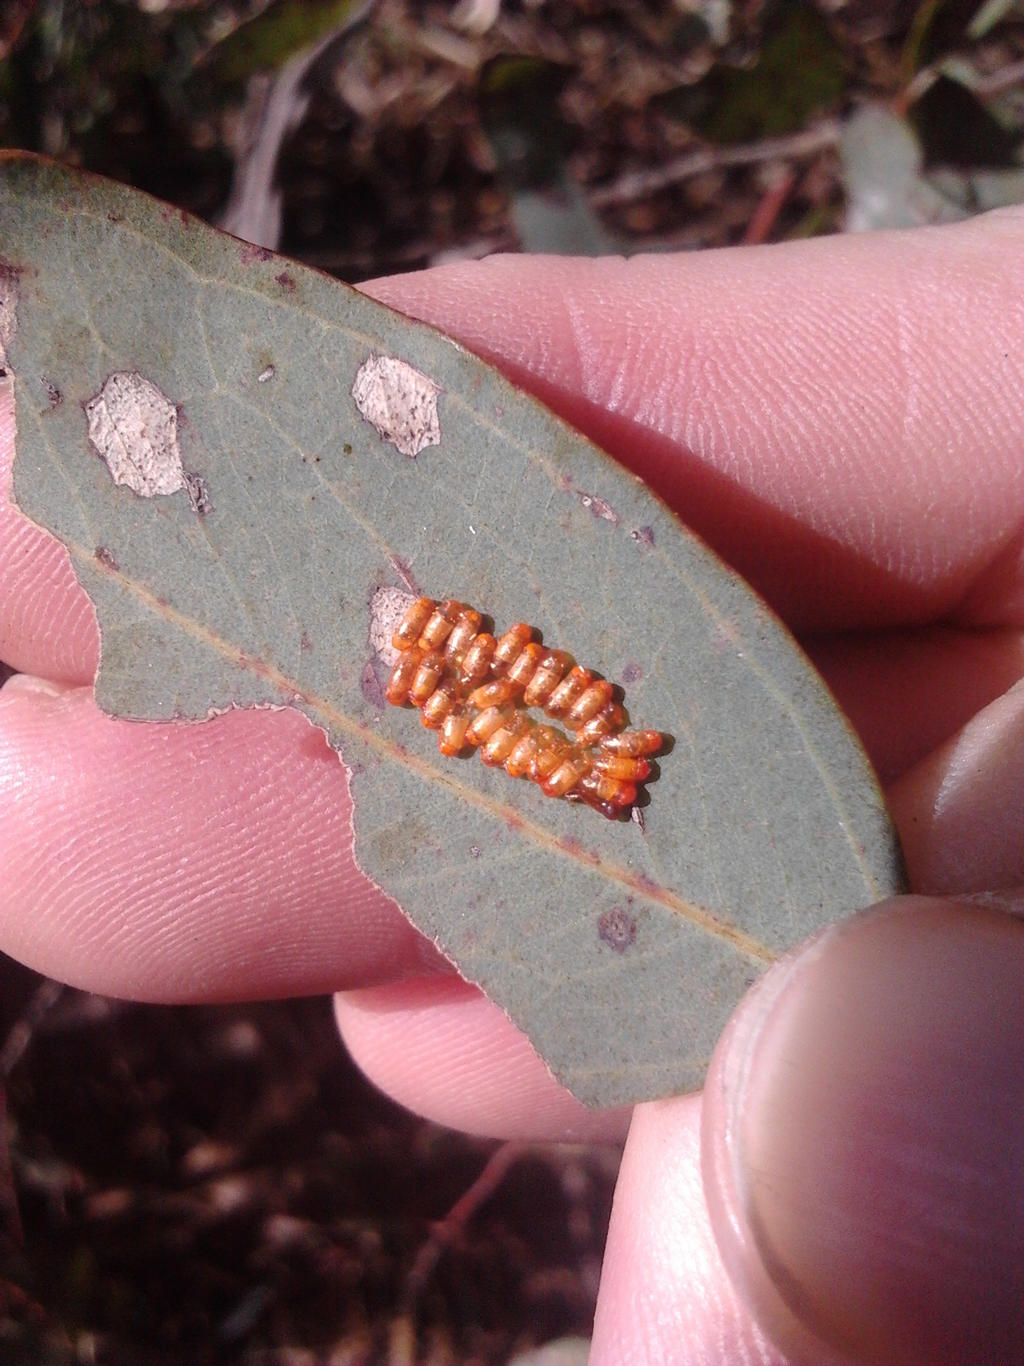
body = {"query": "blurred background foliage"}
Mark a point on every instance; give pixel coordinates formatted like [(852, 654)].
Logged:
[(401, 133)]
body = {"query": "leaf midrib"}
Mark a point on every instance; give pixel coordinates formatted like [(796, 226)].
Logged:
[(638, 884)]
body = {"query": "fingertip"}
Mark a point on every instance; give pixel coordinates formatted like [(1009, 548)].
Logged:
[(860, 1140), (441, 1048), (763, 393), (958, 810), (196, 861)]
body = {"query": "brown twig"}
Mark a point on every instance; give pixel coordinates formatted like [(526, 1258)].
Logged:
[(770, 205), (639, 184), (995, 83), (402, 1347)]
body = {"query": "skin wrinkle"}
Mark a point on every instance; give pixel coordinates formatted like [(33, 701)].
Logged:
[(864, 412), (631, 375), (207, 911), (641, 377), (582, 374), (907, 387), (762, 452), (752, 460), (919, 376), (731, 363)]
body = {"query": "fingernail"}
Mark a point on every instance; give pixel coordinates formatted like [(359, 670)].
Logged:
[(863, 1139)]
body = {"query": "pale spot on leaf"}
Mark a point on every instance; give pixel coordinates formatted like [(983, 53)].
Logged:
[(400, 402), (387, 608), (133, 428), (599, 508)]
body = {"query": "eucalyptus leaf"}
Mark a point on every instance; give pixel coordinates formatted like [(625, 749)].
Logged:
[(252, 466)]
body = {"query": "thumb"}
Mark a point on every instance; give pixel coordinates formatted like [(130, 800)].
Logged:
[(862, 1139)]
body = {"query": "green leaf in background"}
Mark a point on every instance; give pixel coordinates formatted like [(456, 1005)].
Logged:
[(248, 530), (799, 73), (277, 33)]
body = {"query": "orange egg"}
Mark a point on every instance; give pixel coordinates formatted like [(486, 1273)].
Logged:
[(412, 624), (550, 670), (439, 624), (428, 675), (463, 634), (402, 675), (510, 645), (475, 663), (572, 687), (452, 739), (633, 742)]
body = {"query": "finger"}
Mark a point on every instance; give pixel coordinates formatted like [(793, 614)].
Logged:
[(47, 624), (958, 811), (840, 418), (906, 693), (442, 1049), (959, 818), (861, 1140), (195, 862), (665, 1297)]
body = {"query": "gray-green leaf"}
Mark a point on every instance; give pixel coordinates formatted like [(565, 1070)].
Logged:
[(246, 460)]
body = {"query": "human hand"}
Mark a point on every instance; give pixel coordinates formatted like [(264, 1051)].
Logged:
[(842, 421)]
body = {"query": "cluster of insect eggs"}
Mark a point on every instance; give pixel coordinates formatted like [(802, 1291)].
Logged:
[(474, 690)]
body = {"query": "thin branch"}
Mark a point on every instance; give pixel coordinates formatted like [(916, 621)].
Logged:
[(639, 184), (995, 83), (442, 1234)]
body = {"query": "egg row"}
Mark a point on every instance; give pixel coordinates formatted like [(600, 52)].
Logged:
[(474, 690)]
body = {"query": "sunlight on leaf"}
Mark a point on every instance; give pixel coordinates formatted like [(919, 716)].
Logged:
[(620, 947)]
